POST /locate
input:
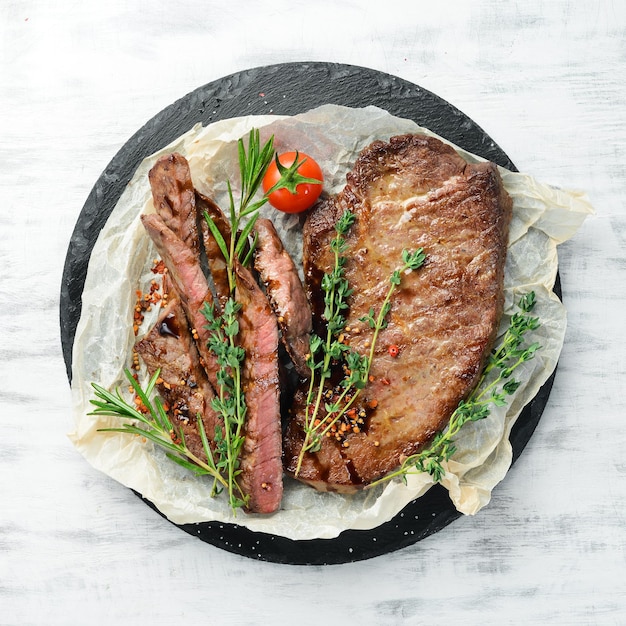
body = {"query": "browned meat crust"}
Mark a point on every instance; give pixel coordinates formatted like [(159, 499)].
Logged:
[(173, 195), (285, 292), (411, 192)]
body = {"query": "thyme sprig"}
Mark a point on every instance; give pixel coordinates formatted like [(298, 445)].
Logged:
[(502, 362), (324, 353), (410, 261), (230, 402), (157, 427)]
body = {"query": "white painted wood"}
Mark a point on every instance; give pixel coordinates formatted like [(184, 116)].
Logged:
[(546, 80)]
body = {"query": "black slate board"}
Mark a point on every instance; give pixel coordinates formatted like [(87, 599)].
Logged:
[(288, 89)]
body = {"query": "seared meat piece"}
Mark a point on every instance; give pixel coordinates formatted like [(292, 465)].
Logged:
[(261, 463), (215, 258), (190, 283), (285, 292), (174, 232), (410, 192), (174, 197), (183, 384)]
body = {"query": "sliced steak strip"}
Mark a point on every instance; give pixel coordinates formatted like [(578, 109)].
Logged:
[(285, 292), (261, 464), (410, 192), (183, 384), (190, 282), (215, 258), (173, 195)]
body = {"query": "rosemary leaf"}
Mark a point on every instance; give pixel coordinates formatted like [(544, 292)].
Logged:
[(216, 234), (153, 436), (245, 232), (192, 467)]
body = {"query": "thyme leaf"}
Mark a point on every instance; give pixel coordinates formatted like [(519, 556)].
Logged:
[(230, 401)]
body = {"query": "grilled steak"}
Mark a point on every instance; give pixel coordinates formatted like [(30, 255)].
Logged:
[(183, 384), (173, 195), (410, 192), (170, 345), (261, 464), (190, 282), (285, 292)]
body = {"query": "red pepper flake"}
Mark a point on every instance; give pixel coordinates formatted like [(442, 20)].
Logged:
[(393, 350), (158, 266), (152, 297)]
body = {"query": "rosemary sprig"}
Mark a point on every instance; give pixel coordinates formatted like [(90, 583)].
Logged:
[(504, 360), (323, 353), (157, 427), (253, 165)]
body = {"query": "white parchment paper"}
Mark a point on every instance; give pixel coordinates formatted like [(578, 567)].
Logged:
[(543, 217)]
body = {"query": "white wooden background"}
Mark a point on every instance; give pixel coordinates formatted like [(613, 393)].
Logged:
[(546, 79)]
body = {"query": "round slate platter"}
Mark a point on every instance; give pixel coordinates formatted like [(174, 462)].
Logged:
[(288, 89)]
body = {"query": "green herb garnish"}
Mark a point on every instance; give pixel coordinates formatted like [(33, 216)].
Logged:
[(502, 362), (230, 402), (157, 427), (223, 460), (325, 353), (253, 165)]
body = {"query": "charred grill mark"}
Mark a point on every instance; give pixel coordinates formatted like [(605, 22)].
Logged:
[(173, 196)]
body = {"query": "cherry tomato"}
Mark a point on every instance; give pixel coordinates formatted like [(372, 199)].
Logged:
[(305, 193)]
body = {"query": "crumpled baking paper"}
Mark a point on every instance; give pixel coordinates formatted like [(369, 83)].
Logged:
[(543, 217)]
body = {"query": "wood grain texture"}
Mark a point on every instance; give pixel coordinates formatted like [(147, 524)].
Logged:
[(545, 79)]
